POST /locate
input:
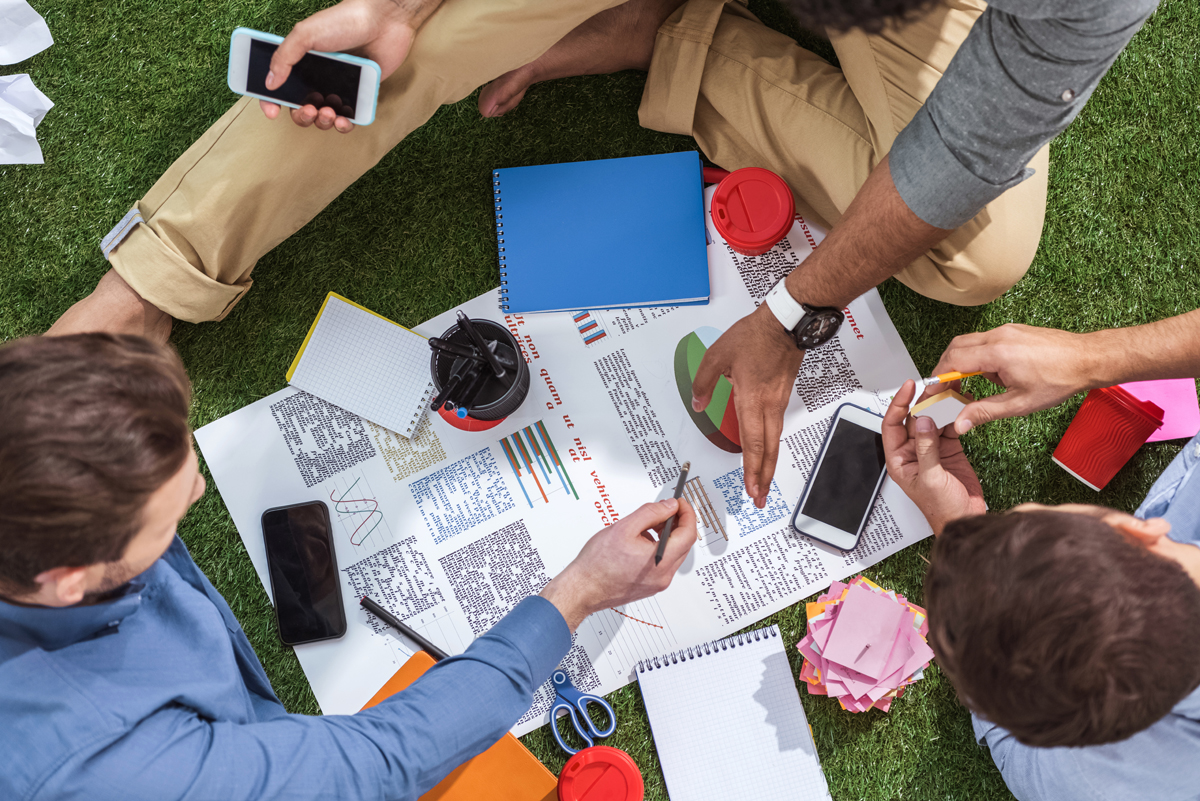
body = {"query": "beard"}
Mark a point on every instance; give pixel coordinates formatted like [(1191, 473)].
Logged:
[(112, 584)]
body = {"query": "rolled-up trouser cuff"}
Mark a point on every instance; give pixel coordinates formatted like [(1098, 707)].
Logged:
[(677, 66), (161, 276)]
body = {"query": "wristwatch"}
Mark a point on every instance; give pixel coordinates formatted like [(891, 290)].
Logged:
[(810, 326)]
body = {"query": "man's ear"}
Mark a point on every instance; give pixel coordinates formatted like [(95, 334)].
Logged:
[(1147, 533), (61, 586)]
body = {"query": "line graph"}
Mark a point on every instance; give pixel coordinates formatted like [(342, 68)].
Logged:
[(343, 506), (631, 617), (357, 511), (636, 631)]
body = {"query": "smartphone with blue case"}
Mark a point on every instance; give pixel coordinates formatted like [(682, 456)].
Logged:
[(349, 84)]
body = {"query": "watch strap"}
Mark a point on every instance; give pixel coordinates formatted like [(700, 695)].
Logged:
[(787, 310)]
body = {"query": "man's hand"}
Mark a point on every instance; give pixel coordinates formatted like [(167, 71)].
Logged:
[(761, 360), (381, 30), (929, 466), (616, 566), (1039, 367)]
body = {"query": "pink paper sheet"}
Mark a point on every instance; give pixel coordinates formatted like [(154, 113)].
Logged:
[(864, 632), (1177, 398)]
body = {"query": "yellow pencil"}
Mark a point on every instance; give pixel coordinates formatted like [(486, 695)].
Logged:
[(947, 377)]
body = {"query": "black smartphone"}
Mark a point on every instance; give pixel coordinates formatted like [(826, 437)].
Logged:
[(845, 480), (303, 570)]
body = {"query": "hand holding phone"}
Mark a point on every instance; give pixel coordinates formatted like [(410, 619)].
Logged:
[(334, 86), (380, 30)]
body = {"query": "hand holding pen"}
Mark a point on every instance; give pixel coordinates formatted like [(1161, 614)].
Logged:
[(666, 532)]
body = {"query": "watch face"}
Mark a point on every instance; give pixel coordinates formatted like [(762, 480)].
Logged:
[(817, 328)]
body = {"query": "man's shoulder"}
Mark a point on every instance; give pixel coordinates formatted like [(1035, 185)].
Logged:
[(1161, 762), (48, 717)]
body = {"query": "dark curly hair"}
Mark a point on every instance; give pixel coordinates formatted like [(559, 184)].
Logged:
[(842, 15)]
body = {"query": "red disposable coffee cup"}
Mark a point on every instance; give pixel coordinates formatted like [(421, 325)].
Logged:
[(601, 773), (1108, 428), (753, 209)]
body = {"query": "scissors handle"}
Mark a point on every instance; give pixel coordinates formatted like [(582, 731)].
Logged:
[(588, 742), (582, 704)]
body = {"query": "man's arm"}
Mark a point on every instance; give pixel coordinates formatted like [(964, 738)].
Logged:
[(878, 236), (1042, 367), (1019, 79), (405, 745)]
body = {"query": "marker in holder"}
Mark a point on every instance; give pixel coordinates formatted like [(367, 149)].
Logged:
[(478, 370)]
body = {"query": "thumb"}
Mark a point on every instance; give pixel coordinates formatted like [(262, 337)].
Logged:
[(290, 50), (928, 457), (995, 407), (649, 515), (683, 537)]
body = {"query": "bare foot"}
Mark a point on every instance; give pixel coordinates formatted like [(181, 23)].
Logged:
[(114, 307), (619, 38)]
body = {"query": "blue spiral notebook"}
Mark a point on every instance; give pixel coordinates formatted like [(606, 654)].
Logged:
[(605, 234)]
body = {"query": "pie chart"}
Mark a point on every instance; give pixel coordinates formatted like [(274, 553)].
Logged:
[(719, 421)]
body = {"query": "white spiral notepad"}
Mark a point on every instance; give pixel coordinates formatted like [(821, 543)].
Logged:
[(366, 364), (728, 723)]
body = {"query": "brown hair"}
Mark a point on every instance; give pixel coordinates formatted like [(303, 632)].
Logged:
[(844, 15), (90, 426), (1056, 627)]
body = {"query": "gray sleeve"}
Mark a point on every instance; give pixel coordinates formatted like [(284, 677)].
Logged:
[(1020, 77)]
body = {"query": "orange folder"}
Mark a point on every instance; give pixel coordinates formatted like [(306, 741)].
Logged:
[(504, 772)]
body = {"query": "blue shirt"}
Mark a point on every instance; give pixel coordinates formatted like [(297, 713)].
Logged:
[(158, 695), (1160, 763)]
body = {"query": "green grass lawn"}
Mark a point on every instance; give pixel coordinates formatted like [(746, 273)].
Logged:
[(136, 83)]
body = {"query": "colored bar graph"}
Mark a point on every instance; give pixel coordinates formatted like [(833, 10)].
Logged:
[(533, 444), (590, 326)]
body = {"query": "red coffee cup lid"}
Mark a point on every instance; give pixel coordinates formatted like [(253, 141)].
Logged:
[(1129, 401), (753, 209), (601, 773)]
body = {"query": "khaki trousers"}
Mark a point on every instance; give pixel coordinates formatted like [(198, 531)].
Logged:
[(249, 183), (753, 98)]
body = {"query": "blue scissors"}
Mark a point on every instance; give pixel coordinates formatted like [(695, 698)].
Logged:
[(575, 703)]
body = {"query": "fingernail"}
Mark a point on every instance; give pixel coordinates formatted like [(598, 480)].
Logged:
[(925, 425), (696, 406), (270, 78), (966, 426)]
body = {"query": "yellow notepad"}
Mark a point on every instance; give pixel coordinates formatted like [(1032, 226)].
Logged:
[(366, 364)]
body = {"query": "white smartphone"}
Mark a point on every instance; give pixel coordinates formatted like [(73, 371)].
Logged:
[(347, 83), (845, 480)]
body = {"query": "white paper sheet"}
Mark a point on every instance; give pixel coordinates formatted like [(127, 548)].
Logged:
[(22, 108), (449, 533), (23, 32)]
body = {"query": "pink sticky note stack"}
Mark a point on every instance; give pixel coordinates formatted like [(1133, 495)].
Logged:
[(864, 645)]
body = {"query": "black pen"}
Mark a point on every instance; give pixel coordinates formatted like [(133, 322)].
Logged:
[(387, 617), (662, 541)]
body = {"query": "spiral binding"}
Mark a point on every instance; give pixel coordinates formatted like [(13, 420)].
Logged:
[(504, 305), (695, 652), (426, 397)]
